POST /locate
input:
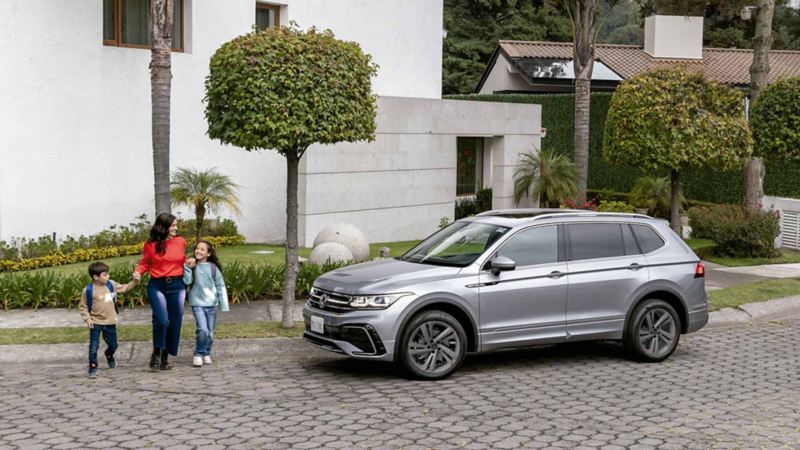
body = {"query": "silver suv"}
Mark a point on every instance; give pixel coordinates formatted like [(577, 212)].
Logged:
[(514, 278)]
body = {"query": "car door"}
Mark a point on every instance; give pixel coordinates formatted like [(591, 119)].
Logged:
[(605, 267), (526, 305)]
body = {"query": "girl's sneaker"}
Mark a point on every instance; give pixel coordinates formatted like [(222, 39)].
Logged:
[(197, 361), (206, 359)]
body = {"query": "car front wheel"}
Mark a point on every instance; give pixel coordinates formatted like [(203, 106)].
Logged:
[(433, 345)]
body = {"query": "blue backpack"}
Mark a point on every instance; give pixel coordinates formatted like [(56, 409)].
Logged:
[(90, 296)]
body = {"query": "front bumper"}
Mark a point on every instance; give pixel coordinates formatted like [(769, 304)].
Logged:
[(358, 334)]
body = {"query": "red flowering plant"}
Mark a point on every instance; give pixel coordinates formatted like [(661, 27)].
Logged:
[(580, 203)]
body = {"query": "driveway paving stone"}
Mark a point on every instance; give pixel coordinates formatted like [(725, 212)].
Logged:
[(732, 387)]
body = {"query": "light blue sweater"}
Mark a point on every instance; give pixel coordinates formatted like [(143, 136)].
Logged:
[(206, 291)]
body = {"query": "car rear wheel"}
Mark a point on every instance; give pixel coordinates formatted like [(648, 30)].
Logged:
[(654, 331), (433, 345)]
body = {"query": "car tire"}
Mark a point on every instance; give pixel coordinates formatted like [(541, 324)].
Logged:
[(432, 345), (653, 331)]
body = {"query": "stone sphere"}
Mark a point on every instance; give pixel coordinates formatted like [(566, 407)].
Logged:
[(347, 235), (330, 252)]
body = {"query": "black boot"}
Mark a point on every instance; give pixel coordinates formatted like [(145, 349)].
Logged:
[(154, 359), (164, 363)]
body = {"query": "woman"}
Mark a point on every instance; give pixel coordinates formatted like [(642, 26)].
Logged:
[(163, 256)]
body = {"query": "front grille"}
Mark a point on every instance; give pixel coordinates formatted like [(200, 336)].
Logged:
[(334, 302)]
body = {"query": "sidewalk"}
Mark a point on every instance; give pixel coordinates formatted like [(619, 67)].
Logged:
[(718, 277)]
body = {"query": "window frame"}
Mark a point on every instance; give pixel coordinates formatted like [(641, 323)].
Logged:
[(276, 9), (117, 41)]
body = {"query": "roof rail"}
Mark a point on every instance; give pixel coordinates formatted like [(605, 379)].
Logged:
[(544, 213)]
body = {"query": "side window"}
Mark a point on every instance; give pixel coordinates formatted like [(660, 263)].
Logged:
[(537, 245), (630, 243), (648, 239), (595, 240)]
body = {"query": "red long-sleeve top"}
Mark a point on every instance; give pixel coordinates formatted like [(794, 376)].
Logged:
[(168, 264)]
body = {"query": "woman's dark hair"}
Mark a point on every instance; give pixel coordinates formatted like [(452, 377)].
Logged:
[(212, 254), (160, 231)]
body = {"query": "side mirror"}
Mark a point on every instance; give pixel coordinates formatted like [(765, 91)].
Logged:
[(502, 264)]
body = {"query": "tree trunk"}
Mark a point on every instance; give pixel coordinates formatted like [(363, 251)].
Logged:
[(759, 77), (675, 203), (291, 265), (584, 31), (199, 217), (160, 87)]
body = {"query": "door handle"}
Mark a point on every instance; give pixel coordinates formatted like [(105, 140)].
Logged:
[(555, 274), (634, 266)]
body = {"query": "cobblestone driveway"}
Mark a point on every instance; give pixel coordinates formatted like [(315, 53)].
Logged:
[(723, 388)]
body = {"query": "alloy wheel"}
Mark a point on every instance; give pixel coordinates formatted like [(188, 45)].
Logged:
[(433, 347)]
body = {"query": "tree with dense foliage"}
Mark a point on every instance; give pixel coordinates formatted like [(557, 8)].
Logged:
[(775, 120), (672, 119), (546, 175), (286, 89), (474, 27), (161, 21), (205, 191)]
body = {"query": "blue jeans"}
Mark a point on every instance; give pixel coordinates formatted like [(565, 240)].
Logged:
[(205, 317), (109, 333), (166, 301)]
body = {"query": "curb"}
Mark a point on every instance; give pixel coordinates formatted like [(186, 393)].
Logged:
[(138, 352)]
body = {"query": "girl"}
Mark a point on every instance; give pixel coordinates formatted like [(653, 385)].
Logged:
[(204, 274), (164, 255)]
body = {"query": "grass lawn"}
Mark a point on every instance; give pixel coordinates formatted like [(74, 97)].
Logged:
[(130, 333), (241, 253), (751, 293), (704, 249)]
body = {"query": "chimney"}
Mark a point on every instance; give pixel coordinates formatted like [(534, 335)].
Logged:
[(674, 37)]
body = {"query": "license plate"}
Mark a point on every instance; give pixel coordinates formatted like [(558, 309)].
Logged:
[(318, 324)]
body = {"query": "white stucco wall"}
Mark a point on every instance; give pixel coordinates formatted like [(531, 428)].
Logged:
[(399, 186), (674, 37), (75, 114)]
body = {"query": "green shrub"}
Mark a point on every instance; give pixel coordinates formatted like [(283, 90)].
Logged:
[(614, 206), (471, 206), (737, 231), (244, 283), (211, 227)]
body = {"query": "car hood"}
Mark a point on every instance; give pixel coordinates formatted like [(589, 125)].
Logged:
[(382, 276)]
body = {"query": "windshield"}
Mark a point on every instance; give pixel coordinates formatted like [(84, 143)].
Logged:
[(457, 245)]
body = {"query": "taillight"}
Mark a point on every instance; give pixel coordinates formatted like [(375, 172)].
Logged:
[(700, 270)]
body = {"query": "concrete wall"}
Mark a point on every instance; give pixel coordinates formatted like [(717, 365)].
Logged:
[(504, 77), (783, 205), (399, 186), (674, 37), (75, 114)]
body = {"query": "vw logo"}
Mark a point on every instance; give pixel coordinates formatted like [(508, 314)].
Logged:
[(323, 301)]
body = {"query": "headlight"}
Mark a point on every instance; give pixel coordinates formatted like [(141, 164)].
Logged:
[(376, 301)]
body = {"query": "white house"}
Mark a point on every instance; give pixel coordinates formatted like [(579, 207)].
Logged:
[(75, 120)]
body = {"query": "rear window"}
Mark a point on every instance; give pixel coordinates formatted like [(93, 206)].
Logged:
[(595, 240), (648, 239)]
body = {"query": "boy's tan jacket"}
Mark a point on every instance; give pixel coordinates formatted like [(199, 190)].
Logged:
[(103, 312)]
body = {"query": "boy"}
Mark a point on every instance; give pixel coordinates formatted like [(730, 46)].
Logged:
[(100, 313)]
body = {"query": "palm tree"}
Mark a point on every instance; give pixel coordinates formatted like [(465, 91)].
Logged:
[(655, 194), (205, 190), (161, 15), (551, 176)]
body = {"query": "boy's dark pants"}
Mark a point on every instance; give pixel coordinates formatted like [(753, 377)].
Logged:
[(109, 335)]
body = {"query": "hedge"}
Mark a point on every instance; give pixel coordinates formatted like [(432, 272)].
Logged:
[(702, 185), (94, 254), (46, 289)]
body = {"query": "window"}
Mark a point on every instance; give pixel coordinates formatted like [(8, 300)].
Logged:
[(648, 239), (532, 246), (267, 16), (630, 243), (458, 245), (595, 240), (469, 165), (126, 23)]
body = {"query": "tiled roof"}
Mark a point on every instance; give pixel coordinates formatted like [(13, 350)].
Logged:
[(727, 65)]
